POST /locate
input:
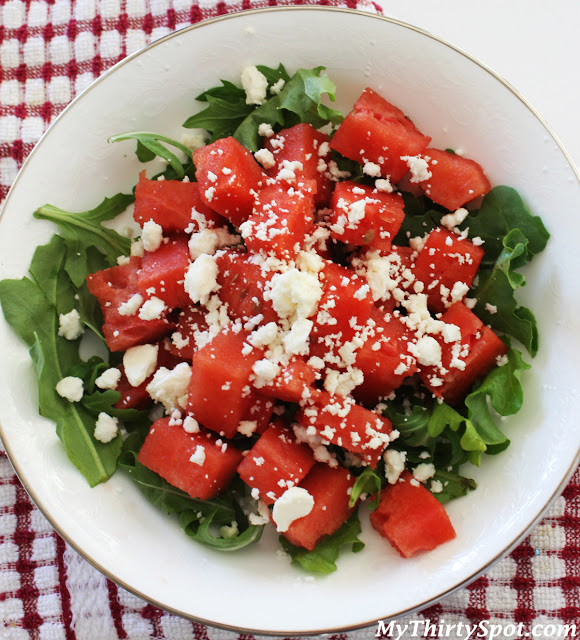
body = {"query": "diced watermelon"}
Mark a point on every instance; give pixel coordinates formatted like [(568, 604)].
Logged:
[(303, 144), (344, 308), (384, 359), (113, 287), (454, 179), (330, 488), (242, 286), (294, 383), (260, 411), (220, 387), (464, 361), (168, 450), (163, 272), (376, 131), (191, 321), (228, 178), (341, 422), (446, 260), (276, 462), (411, 518), (170, 203), (281, 218)]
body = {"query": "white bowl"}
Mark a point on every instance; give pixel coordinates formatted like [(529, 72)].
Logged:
[(459, 103)]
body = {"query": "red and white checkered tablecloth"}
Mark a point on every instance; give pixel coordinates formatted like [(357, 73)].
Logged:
[(50, 50)]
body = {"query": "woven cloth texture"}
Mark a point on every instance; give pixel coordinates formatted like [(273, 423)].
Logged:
[(49, 52)]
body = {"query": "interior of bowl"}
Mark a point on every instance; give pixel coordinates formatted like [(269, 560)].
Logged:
[(450, 97)]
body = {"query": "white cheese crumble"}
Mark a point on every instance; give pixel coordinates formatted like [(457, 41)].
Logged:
[(205, 241), (152, 309), (384, 185), (394, 464), (297, 339), (170, 386), (265, 372), (277, 86), (132, 305), (266, 158), (451, 220), (295, 294), (70, 325), (139, 363), (70, 388), (200, 278), (293, 504), (418, 167), (424, 471), (198, 456), (255, 84), (427, 351), (109, 379), (152, 236), (106, 427), (372, 169), (265, 130), (247, 427), (190, 425)]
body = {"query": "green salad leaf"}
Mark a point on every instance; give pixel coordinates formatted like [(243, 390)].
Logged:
[(300, 100), (149, 146), (367, 483), (31, 307), (322, 560), (83, 230)]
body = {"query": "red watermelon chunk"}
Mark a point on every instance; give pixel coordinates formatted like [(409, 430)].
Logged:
[(260, 411), (446, 261), (411, 518), (220, 386), (454, 179), (376, 131), (228, 178), (163, 272), (242, 286), (114, 286), (191, 321), (294, 383), (364, 216), (174, 205), (304, 145), (281, 219), (342, 422), (194, 462), (463, 361), (276, 462), (330, 487)]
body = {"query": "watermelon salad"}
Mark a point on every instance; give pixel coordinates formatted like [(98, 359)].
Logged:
[(310, 313)]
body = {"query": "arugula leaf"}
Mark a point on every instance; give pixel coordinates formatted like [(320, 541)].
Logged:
[(454, 485), (149, 145), (90, 311), (413, 428), (84, 230), (199, 530), (495, 291), (501, 211), (420, 218), (273, 75), (31, 307), (368, 482), (299, 101), (323, 559)]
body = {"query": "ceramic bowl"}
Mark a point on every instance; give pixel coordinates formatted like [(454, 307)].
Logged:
[(461, 104)]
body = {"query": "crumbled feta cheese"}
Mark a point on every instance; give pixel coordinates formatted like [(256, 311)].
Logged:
[(152, 236), (198, 456), (372, 169), (451, 220), (265, 158), (265, 130), (297, 340), (295, 294), (70, 325), (424, 471), (123, 260), (152, 309), (170, 386), (277, 86), (139, 363), (451, 333), (436, 486), (70, 388), (490, 308), (200, 278), (106, 427), (247, 427), (190, 425), (394, 464), (428, 351), (205, 241), (265, 371), (384, 185), (194, 139), (137, 248), (418, 167), (264, 335), (109, 379), (294, 503), (255, 84), (132, 305)]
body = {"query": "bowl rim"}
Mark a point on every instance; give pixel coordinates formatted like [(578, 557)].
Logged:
[(20, 472)]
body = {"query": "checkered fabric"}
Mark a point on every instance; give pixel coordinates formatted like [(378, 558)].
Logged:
[(50, 50)]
